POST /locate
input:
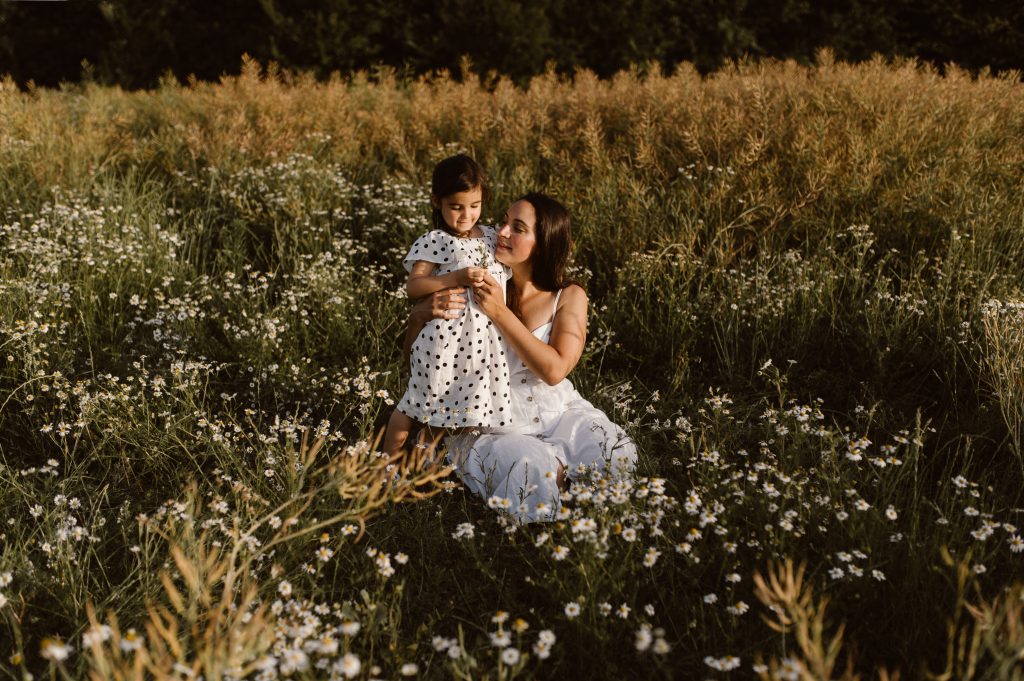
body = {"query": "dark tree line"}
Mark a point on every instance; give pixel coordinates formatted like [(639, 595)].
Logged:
[(134, 42)]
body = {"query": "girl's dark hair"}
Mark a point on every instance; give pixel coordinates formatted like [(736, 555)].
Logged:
[(455, 174), (553, 233)]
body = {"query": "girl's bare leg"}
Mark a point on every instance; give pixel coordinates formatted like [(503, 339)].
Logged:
[(431, 436), (397, 433)]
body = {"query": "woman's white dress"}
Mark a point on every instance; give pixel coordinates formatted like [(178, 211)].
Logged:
[(459, 374), (552, 426)]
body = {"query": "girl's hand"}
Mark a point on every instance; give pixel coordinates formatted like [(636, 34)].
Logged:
[(470, 276), (489, 296)]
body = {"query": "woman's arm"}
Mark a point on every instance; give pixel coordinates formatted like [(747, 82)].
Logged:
[(422, 280), (446, 304), (551, 361)]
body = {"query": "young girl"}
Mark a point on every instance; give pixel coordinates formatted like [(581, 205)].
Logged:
[(458, 370)]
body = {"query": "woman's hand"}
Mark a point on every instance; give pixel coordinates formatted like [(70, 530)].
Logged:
[(489, 296), (445, 304)]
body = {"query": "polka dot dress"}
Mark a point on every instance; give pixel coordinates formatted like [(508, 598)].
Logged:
[(459, 374)]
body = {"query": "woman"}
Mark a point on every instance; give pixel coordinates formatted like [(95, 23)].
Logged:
[(543, 322)]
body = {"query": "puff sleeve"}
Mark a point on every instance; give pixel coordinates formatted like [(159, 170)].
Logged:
[(434, 246)]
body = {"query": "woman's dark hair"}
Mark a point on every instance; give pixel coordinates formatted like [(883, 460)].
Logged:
[(553, 234), (455, 174)]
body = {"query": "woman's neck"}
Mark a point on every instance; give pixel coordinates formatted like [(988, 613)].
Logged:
[(522, 277)]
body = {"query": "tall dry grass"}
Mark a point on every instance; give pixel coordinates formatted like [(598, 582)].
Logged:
[(892, 145)]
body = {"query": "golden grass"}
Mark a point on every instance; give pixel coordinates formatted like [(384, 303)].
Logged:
[(213, 620), (895, 142)]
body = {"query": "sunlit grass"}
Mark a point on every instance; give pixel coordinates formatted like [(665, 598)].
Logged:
[(805, 288)]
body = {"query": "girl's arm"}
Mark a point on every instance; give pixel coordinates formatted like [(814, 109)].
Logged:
[(551, 361), (422, 280)]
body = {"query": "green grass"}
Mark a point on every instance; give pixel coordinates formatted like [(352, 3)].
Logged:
[(805, 288)]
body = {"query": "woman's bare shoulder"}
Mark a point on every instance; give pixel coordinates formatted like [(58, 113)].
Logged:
[(574, 295)]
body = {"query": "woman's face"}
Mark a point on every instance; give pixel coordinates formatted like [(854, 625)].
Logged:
[(517, 236)]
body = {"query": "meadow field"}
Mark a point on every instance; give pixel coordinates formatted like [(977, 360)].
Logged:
[(807, 308)]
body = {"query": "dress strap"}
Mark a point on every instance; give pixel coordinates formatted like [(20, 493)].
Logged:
[(554, 308)]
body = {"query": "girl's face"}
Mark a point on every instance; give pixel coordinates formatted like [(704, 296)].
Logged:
[(460, 210), (517, 236)]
